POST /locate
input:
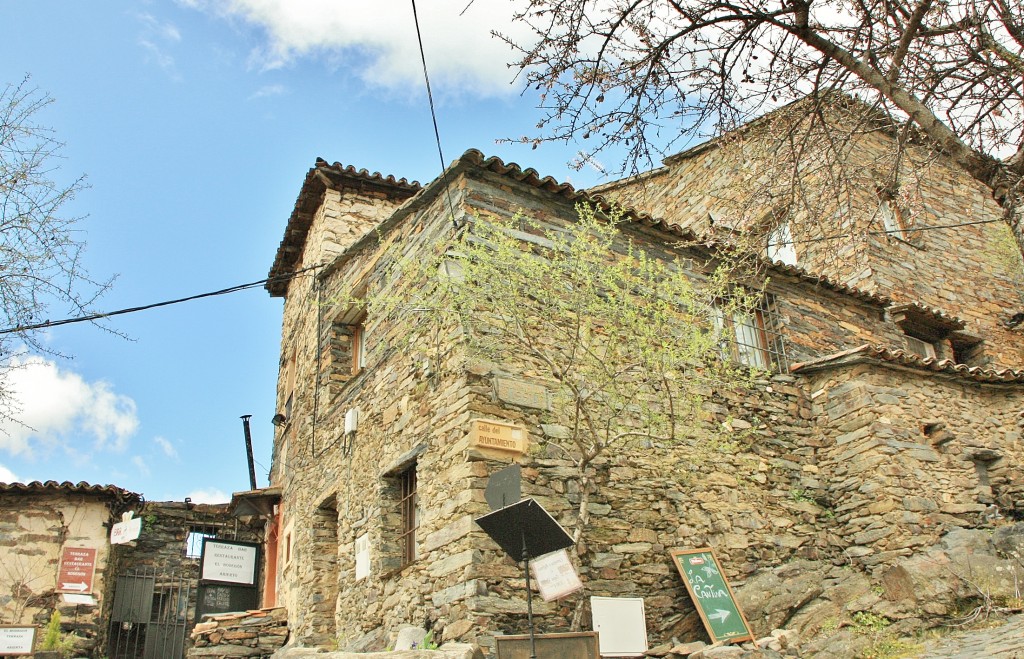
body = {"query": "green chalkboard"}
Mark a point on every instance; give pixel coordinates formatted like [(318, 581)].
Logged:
[(712, 595)]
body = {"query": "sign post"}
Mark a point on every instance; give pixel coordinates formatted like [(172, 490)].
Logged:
[(712, 595)]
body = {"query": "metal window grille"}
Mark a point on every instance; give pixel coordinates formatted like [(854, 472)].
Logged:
[(194, 541), (754, 337), (409, 509)]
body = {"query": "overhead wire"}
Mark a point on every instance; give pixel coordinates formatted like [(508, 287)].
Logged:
[(433, 116), (885, 232), (145, 307)]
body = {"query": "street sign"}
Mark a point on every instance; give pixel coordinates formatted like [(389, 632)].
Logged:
[(77, 568), (712, 595)]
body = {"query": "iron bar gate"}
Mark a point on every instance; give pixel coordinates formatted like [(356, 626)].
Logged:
[(151, 614)]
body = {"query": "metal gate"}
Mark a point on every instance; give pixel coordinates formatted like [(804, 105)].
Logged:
[(151, 614)]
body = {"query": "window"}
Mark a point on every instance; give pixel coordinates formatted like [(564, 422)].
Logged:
[(289, 385), (409, 511), (359, 346), (751, 336), (893, 221), (345, 349), (920, 347), (779, 245), (194, 540)]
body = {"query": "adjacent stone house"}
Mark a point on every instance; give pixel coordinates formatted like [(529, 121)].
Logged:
[(44, 524), (890, 412)]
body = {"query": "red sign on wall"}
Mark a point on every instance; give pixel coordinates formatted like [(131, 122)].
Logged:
[(77, 567)]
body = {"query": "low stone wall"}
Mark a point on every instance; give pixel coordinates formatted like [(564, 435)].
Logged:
[(257, 634)]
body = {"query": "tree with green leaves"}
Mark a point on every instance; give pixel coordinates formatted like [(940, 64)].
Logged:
[(628, 338)]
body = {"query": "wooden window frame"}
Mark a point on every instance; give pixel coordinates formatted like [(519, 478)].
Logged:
[(729, 325)]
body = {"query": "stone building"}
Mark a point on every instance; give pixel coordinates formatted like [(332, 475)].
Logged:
[(44, 524), (889, 415), (126, 600)]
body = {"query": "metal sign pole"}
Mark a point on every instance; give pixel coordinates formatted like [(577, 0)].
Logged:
[(529, 599)]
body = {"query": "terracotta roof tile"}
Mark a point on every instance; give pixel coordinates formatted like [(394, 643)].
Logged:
[(67, 487), (531, 177), (318, 179), (885, 355)]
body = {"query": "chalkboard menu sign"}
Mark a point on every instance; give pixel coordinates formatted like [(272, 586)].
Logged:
[(712, 595)]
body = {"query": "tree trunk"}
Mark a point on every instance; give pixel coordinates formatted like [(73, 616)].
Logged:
[(582, 520)]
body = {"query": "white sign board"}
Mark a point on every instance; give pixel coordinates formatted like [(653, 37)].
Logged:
[(362, 557), (82, 600), (555, 575), (17, 640), (124, 532), (229, 562), (621, 626)]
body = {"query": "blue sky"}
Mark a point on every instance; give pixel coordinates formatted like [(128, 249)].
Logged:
[(195, 123)]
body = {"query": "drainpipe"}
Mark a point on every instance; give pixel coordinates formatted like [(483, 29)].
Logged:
[(248, 451)]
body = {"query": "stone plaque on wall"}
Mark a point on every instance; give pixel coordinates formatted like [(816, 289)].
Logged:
[(497, 436), (521, 394)]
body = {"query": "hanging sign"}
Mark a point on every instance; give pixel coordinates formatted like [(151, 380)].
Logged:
[(126, 530), (712, 595), (555, 575), (77, 568)]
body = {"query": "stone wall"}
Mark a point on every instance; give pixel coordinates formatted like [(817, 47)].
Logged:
[(162, 553), (908, 458), (256, 634), (765, 477), (37, 523), (969, 272)]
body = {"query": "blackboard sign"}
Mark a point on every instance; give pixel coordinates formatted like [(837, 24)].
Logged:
[(711, 594), (221, 598)]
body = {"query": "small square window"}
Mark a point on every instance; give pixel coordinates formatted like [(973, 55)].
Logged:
[(194, 540), (920, 347), (893, 220), (779, 245)]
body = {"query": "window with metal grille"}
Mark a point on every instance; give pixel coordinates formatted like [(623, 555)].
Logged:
[(194, 540), (410, 515), (752, 336)]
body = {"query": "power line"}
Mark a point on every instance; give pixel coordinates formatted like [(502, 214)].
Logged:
[(886, 232), (146, 307), (433, 116), (254, 284)]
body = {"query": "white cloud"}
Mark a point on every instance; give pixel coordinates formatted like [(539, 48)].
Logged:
[(211, 495), (56, 405), (166, 446), (8, 476), (268, 90), (140, 465), (155, 37), (380, 38)]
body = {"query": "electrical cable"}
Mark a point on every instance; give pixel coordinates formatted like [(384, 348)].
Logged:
[(433, 116), (886, 232), (242, 287), (146, 307)]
